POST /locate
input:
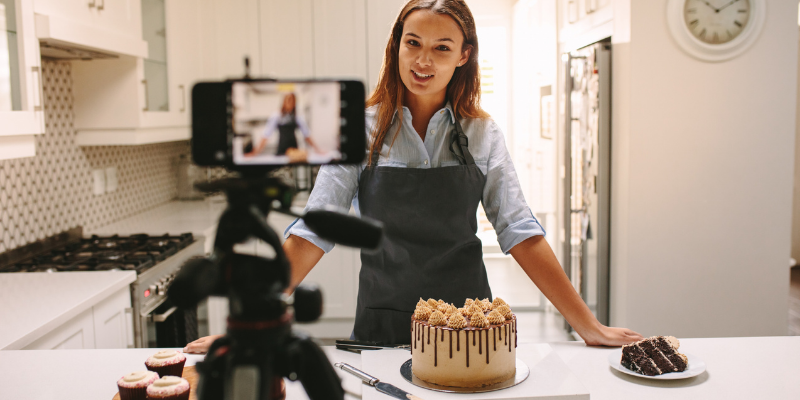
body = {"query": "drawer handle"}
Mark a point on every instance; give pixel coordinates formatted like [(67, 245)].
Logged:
[(102, 5), (128, 327), (92, 3), (163, 317)]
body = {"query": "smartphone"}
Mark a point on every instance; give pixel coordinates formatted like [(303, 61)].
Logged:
[(250, 124)]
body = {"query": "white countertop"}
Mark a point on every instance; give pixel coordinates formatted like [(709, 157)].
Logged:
[(199, 217), (33, 304), (737, 368)]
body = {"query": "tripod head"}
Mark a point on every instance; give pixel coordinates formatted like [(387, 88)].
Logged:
[(260, 347)]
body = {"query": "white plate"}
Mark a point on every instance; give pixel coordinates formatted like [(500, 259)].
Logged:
[(696, 367)]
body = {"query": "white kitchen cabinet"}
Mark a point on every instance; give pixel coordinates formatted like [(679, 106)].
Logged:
[(106, 26), (381, 15), (113, 321), (583, 22), (77, 333), (314, 39), (21, 108), (130, 100)]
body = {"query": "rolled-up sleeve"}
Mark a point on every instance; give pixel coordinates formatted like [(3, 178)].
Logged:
[(336, 185), (503, 201)]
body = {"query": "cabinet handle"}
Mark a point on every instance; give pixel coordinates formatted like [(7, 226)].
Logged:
[(591, 6), (102, 5), (183, 97), (146, 98), (128, 327), (38, 72), (92, 3), (572, 11)]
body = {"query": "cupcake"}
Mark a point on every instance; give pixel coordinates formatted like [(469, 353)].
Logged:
[(133, 386), (169, 387), (166, 362)]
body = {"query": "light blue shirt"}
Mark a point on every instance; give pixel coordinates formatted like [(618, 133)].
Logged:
[(506, 209)]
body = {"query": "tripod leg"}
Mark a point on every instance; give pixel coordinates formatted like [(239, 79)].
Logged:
[(314, 370)]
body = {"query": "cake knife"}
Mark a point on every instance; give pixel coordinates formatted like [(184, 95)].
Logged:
[(382, 387)]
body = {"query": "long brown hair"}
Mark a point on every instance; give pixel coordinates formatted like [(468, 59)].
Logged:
[(464, 89)]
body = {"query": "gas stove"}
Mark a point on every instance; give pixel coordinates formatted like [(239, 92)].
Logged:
[(155, 259), (127, 253)]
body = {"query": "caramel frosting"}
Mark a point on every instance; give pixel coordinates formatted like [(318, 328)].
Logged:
[(457, 321), (451, 309), (495, 318), (165, 357), (422, 303), (478, 320), (422, 313), (464, 311), (168, 385), (443, 307), (433, 303), (498, 302), (437, 318), (475, 308), (505, 310), (468, 303), (137, 379), (486, 305)]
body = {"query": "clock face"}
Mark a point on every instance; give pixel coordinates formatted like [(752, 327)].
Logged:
[(716, 21)]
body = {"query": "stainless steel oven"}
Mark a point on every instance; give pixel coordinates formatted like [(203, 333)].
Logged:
[(157, 322)]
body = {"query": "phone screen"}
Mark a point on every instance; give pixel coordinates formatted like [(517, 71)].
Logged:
[(276, 123)]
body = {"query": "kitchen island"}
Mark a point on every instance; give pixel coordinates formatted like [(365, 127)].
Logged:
[(737, 368)]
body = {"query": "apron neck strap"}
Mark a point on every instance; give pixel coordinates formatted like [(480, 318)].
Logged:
[(460, 144)]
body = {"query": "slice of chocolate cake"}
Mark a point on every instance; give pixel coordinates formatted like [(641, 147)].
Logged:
[(654, 356)]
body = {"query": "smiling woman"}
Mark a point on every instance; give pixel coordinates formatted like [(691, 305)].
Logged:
[(431, 56)]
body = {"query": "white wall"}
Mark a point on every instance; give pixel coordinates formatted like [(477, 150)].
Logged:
[(702, 161)]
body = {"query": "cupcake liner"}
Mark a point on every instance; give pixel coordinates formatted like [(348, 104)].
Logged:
[(137, 393), (181, 396), (171, 370)]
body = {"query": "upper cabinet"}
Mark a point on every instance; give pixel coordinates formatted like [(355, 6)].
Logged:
[(582, 22), (134, 100), (21, 110), (99, 27)]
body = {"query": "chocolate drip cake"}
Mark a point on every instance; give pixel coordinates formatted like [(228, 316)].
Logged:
[(471, 346), (654, 356)]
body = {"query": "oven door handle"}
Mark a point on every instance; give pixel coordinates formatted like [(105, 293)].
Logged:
[(163, 317)]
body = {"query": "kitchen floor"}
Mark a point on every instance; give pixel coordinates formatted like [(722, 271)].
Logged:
[(534, 327), (794, 302)]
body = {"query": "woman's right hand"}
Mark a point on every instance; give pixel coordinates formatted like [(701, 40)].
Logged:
[(200, 346)]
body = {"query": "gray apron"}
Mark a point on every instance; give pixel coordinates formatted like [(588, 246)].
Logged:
[(430, 249), (287, 140)]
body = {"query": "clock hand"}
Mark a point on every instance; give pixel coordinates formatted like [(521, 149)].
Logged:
[(726, 5), (709, 4)]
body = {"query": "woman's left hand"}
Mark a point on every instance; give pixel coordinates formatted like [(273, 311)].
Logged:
[(608, 336)]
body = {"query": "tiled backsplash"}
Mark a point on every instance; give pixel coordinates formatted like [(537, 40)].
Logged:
[(52, 192)]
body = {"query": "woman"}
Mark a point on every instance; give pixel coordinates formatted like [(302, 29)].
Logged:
[(433, 156), (286, 123)]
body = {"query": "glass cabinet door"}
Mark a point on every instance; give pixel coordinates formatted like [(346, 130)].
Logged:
[(154, 31), (10, 87)]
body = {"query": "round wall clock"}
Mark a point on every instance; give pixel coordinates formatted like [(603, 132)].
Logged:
[(715, 30)]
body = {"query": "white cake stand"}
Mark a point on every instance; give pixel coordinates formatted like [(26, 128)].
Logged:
[(522, 373)]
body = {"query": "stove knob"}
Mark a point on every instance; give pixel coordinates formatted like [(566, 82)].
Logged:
[(153, 289), (161, 290)]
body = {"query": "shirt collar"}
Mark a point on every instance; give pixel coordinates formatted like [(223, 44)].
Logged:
[(447, 107)]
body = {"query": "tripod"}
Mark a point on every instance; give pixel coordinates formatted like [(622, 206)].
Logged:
[(260, 347)]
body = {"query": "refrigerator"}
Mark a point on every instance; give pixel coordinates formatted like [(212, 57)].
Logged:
[(586, 174)]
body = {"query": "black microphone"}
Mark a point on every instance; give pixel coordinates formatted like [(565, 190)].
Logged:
[(344, 229)]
